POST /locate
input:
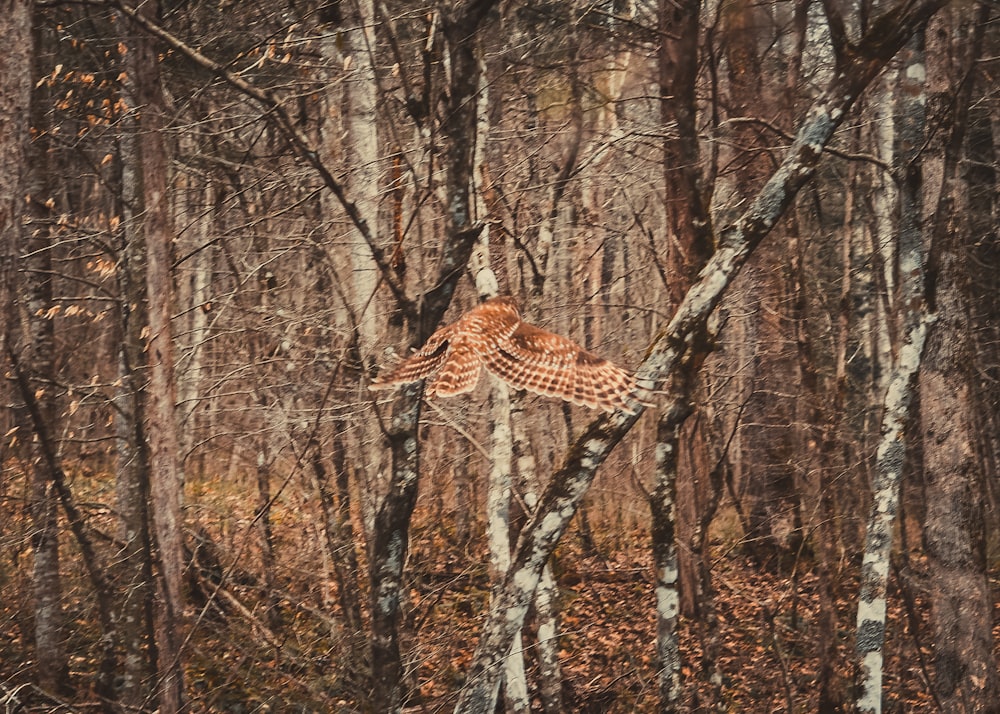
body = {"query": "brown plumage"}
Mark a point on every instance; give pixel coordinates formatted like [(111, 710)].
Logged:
[(492, 335)]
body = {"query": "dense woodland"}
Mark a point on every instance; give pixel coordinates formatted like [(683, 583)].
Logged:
[(220, 220)]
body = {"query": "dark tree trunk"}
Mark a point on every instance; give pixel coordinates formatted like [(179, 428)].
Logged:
[(135, 572), (339, 531), (166, 482), (689, 247), (766, 441), (16, 67), (392, 522), (966, 678), (38, 358)]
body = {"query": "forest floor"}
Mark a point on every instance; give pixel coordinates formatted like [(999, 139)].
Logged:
[(766, 634), (281, 648)]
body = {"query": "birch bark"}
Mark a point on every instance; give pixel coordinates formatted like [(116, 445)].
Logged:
[(910, 101)]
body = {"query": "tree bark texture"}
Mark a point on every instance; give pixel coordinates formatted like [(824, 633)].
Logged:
[(39, 360), (161, 394), (966, 678), (362, 153), (132, 466), (663, 506), (498, 502), (689, 247), (690, 239), (911, 323), (16, 69)]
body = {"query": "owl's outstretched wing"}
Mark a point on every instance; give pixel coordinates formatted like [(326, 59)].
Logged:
[(551, 365), (460, 371), (421, 364), (526, 357), (452, 358)]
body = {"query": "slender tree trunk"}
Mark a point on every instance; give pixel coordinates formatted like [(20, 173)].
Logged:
[(59, 486), (767, 444), (902, 383), (132, 469), (389, 540), (339, 532), (546, 611), (362, 154), (262, 516), (39, 357), (16, 71), (689, 246), (501, 470), (194, 301), (135, 613), (663, 504), (167, 482), (498, 499), (819, 449)]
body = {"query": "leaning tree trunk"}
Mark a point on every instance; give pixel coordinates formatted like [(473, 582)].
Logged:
[(570, 483), (912, 326)]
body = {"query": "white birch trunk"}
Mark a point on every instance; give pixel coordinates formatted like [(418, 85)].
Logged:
[(192, 297), (663, 504), (546, 614), (362, 153), (890, 456), (884, 200), (501, 481), (498, 534), (349, 136)]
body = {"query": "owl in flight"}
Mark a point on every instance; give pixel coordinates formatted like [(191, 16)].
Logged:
[(492, 335)]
